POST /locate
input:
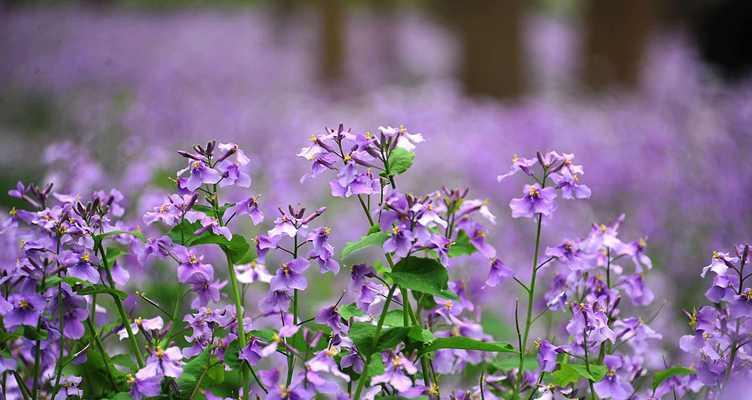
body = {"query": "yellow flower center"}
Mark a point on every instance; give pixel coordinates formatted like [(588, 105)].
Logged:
[(138, 321), (312, 138), (24, 304), (347, 157), (196, 165), (159, 353), (193, 259), (86, 257), (395, 229), (534, 192), (12, 212)]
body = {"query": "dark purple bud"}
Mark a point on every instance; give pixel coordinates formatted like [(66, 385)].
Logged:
[(188, 155), (315, 215)]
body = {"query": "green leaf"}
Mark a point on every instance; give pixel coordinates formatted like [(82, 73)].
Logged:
[(237, 248), (232, 353), (424, 275), (568, 374), (375, 367), (113, 253), (421, 335), (394, 318), (508, 362), (200, 367), (124, 360), (101, 289), (362, 334), (661, 376), (372, 239), (461, 246), (350, 310), (400, 161), (466, 343)]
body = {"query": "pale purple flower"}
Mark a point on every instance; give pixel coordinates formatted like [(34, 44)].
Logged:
[(252, 272), (248, 207), (290, 276), (613, 386), (498, 273), (166, 362), (535, 200), (69, 388), (397, 372), (26, 309), (199, 174), (399, 242)]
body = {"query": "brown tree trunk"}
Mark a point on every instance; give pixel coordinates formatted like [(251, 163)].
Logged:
[(332, 44), (490, 36), (617, 34)]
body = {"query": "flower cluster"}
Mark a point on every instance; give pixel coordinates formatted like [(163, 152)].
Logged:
[(407, 326)]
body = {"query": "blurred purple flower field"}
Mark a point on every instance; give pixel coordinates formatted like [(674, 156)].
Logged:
[(129, 88)]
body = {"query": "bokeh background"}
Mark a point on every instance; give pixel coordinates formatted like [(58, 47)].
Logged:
[(652, 96)]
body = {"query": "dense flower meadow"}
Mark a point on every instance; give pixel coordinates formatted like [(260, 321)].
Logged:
[(406, 325)]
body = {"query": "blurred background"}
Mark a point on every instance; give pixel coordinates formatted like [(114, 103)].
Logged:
[(653, 97)]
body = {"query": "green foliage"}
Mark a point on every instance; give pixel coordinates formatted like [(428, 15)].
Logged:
[(461, 246), (101, 289), (200, 372), (350, 310), (572, 373), (400, 160), (238, 248), (372, 239), (424, 275), (661, 376), (466, 343)]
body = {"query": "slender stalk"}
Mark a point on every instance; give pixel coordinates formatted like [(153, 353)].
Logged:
[(530, 301), (379, 326), (290, 355), (239, 315)]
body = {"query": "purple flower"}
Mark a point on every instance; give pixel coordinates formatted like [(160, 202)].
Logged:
[(534, 201), (612, 386), (350, 182), (499, 273), (79, 265), (248, 207), (741, 305), (199, 174), (144, 384), (570, 185), (165, 363), (26, 309), (69, 388), (290, 276), (635, 288), (74, 312), (190, 263), (279, 391), (275, 302), (399, 242), (149, 325), (252, 353), (323, 252), (547, 354), (252, 272), (330, 317), (206, 291), (518, 164), (397, 371)]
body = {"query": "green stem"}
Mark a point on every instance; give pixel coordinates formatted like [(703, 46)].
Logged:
[(379, 326), (530, 301), (239, 315)]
